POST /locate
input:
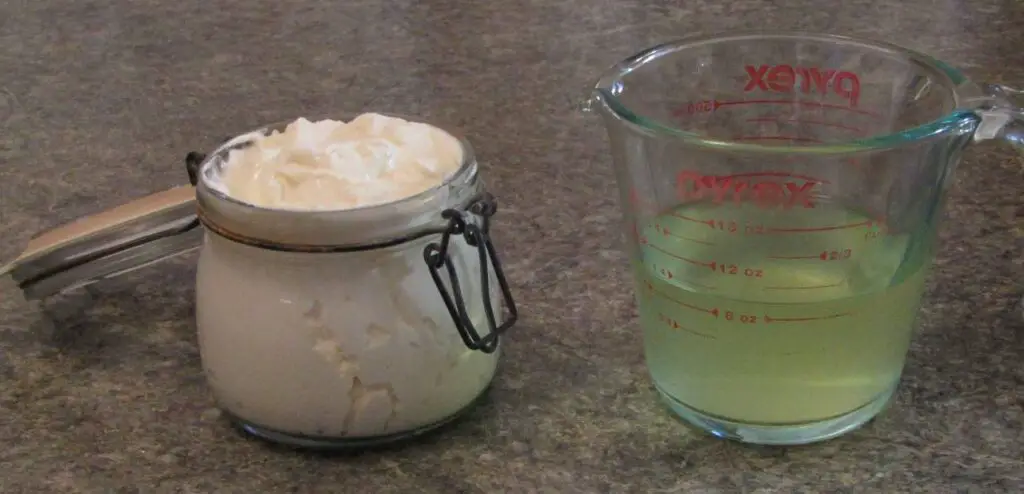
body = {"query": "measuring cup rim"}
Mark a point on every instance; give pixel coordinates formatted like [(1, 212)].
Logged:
[(959, 120)]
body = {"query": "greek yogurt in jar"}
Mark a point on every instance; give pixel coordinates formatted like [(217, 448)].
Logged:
[(320, 321)]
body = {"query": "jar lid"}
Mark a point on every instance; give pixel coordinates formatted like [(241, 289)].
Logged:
[(108, 244), (166, 224)]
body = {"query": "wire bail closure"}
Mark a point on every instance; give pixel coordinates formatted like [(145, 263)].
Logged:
[(436, 256)]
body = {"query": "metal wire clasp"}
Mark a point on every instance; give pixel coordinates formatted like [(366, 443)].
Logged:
[(436, 257)]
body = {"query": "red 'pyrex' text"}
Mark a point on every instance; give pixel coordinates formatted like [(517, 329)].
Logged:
[(786, 194), (786, 78)]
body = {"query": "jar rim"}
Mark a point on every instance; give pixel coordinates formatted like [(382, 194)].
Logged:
[(318, 229), (466, 168)]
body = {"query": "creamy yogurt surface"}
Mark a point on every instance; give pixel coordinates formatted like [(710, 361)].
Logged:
[(335, 165)]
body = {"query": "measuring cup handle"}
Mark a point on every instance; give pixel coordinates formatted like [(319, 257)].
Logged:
[(1002, 116)]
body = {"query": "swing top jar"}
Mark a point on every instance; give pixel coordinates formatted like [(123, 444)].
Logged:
[(319, 325), (344, 326)]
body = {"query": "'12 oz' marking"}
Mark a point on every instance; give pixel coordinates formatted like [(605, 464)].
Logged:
[(735, 270)]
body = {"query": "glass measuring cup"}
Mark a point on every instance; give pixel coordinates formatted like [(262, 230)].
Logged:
[(781, 194)]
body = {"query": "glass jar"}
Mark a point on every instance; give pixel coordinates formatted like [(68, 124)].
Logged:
[(326, 329)]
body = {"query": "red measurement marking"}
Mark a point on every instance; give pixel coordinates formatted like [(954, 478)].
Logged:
[(665, 231), (769, 319), (875, 234), (711, 106), (736, 270), (726, 226), (741, 318), (695, 240), (699, 285), (813, 104), (672, 323), (677, 256), (733, 227), (815, 287), (650, 287), (669, 275), (695, 220), (698, 333), (705, 106), (777, 138), (817, 229), (825, 255), (776, 174), (808, 122), (835, 255), (665, 273)]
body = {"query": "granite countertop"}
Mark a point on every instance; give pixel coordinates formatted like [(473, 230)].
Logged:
[(101, 100)]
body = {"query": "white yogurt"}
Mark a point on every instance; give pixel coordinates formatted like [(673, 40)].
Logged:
[(332, 165), (348, 344)]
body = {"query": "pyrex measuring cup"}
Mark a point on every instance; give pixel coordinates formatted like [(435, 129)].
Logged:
[(781, 194)]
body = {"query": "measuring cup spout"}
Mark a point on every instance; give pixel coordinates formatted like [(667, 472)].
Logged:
[(586, 103), (1001, 115)]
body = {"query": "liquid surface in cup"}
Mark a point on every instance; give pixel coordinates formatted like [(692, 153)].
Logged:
[(771, 317)]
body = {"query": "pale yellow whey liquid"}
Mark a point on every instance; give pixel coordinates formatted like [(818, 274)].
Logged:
[(774, 318)]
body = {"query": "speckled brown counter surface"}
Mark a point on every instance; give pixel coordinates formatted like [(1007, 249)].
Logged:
[(105, 97)]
